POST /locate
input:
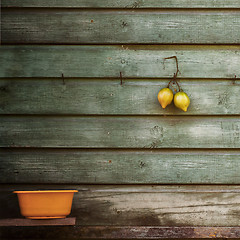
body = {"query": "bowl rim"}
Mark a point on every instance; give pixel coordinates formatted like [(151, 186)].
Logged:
[(47, 191)]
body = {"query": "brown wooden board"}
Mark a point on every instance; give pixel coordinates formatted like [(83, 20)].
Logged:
[(107, 232), (29, 222), (120, 27), (109, 97)]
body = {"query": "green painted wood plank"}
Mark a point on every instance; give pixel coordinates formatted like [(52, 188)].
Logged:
[(119, 167), (107, 61), (130, 188), (120, 132), (120, 27), (142, 205), (102, 96), (123, 3)]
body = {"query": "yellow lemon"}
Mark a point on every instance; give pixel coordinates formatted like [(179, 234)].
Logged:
[(165, 97), (181, 100)]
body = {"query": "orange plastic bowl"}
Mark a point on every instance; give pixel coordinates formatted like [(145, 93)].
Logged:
[(45, 204)]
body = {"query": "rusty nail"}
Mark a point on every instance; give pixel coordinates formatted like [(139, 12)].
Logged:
[(63, 79), (121, 78)]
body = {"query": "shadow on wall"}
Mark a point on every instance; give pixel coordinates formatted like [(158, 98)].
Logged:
[(9, 205)]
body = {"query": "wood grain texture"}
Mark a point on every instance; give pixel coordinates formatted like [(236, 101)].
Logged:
[(141, 205), (120, 132), (122, 3), (120, 27), (109, 232), (102, 96), (107, 61), (29, 222), (119, 167)]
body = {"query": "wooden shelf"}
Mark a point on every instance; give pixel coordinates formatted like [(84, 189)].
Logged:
[(155, 232), (109, 232), (36, 222)]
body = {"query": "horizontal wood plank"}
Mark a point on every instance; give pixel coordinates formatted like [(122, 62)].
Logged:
[(109, 232), (120, 27), (142, 205), (109, 61), (122, 3), (29, 222), (120, 132), (133, 97), (119, 167)]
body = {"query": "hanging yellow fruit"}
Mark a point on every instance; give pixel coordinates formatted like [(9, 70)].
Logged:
[(181, 101), (165, 97)]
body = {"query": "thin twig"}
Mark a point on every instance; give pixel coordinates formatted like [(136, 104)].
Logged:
[(175, 74), (170, 82), (176, 64), (179, 89)]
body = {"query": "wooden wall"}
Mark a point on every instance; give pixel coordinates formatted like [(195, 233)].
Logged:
[(68, 122)]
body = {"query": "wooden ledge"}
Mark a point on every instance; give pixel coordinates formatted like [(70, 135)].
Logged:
[(117, 232), (148, 232), (37, 222)]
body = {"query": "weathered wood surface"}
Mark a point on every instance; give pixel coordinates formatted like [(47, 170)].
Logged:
[(120, 132), (139, 205), (107, 61), (109, 232), (29, 222), (118, 167), (121, 27), (102, 96), (123, 3)]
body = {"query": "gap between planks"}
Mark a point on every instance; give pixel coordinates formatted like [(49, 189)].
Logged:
[(121, 9)]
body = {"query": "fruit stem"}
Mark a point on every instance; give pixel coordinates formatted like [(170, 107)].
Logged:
[(175, 57), (179, 89), (175, 74)]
